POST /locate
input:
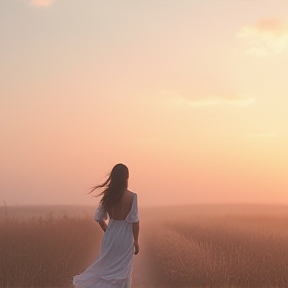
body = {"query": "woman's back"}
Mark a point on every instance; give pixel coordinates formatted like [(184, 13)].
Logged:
[(113, 267), (120, 210)]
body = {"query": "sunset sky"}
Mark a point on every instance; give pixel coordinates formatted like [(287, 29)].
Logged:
[(191, 95)]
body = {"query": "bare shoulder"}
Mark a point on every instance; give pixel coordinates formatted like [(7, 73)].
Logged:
[(131, 193), (128, 196)]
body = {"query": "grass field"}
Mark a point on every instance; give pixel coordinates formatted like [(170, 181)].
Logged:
[(192, 246), (221, 252), (44, 251)]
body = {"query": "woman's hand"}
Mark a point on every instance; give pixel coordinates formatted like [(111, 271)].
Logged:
[(135, 229), (136, 248)]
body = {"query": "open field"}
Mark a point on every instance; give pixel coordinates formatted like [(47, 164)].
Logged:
[(220, 251), (45, 251), (189, 246)]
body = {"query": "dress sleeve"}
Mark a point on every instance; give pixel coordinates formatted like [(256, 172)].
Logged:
[(100, 214), (133, 215)]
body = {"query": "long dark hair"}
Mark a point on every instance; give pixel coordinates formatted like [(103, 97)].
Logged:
[(114, 186)]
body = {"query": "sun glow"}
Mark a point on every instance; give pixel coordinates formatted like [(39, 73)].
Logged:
[(192, 100)]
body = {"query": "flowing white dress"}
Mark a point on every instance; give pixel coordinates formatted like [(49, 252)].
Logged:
[(113, 267)]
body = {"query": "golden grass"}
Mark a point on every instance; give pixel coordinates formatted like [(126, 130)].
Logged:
[(179, 247), (45, 251), (220, 251)]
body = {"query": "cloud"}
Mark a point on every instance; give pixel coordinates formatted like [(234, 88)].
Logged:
[(41, 3), (208, 100), (266, 37)]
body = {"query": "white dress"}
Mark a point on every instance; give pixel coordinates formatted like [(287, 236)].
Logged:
[(113, 267)]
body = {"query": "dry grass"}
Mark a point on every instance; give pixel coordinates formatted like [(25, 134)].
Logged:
[(45, 251), (181, 247), (221, 251)]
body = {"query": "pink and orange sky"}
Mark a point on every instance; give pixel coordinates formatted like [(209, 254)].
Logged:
[(191, 95)]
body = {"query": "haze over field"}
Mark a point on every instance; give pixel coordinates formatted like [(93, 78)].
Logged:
[(190, 95), (187, 246)]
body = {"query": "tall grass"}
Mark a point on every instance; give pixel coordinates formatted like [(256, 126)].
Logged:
[(181, 248), (238, 251), (45, 251)]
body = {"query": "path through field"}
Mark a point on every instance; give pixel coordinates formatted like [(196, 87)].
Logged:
[(140, 275)]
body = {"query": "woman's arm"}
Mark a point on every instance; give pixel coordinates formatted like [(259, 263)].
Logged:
[(100, 216), (135, 229), (103, 225)]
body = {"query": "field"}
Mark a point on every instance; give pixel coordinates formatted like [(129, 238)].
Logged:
[(231, 249), (44, 250), (189, 246)]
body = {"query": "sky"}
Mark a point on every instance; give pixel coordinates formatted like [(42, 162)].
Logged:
[(190, 95)]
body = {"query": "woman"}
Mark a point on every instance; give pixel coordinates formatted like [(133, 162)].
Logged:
[(113, 267)]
